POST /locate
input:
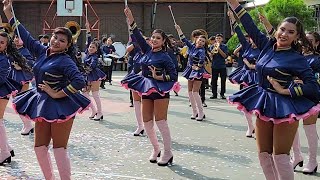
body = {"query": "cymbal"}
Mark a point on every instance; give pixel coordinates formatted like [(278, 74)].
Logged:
[(113, 55)]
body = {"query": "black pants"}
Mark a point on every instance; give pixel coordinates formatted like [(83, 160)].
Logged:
[(202, 90), (131, 97), (105, 70), (110, 68), (214, 82)]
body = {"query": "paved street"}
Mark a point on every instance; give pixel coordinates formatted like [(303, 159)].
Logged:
[(215, 149)]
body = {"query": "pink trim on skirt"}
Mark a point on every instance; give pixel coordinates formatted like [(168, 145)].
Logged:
[(292, 117), (150, 91)]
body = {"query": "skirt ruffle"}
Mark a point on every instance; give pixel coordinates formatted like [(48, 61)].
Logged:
[(9, 87), (146, 86), (96, 75), (191, 74), (39, 106), (243, 76), (271, 106)]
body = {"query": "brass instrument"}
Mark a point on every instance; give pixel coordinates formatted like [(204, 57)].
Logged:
[(75, 29), (215, 48)]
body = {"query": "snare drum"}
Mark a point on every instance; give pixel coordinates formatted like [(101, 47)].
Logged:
[(107, 61), (120, 49)]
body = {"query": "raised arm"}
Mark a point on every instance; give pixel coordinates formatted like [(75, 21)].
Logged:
[(257, 36), (33, 45), (145, 47), (183, 37), (89, 38), (237, 29), (267, 25)]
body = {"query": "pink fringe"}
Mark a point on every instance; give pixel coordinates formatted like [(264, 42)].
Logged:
[(176, 87), (150, 91), (40, 119), (292, 117), (206, 75), (13, 93)]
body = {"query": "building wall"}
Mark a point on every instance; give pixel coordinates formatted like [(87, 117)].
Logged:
[(208, 16)]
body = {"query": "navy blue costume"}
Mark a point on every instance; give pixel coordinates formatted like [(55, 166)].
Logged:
[(282, 65), (244, 75), (61, 73), (93, 72), (8, 86), (197, 56), (143, 83)]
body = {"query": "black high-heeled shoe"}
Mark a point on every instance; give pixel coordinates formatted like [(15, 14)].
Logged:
[(154, 160), (203, 117), (30, 132), (98, 118), (300, 164), (167, 163), (12, 153), (138, 134), (91, 117), (7, 160)]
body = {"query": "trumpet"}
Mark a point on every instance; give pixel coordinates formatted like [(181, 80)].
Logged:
[(215, 48)]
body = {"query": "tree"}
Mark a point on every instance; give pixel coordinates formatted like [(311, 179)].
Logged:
[(277, 10)]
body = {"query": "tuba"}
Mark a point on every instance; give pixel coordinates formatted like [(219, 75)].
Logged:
[(75, 29)]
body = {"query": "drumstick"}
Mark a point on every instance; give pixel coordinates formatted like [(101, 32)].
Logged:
[(125, 3), (174, 21), (15, 20), (86, 6)]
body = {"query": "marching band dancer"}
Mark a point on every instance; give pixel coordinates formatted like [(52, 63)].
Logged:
[(246, 74), (278, 63), (195, 72), (311, 51), (107, 48), (94, 76), (56, 100), (309, 125), (8, 87), (134, 67), (156, 79), (23, 75), (219, 53)]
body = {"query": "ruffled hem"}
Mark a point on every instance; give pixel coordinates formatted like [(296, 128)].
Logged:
[(191, 74), (13, 93), (150, 91), (291, 117), (36, 106), (40, 119)]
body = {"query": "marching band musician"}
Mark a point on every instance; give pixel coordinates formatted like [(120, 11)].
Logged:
[(173, 52), (23, 76), (94, 76), (219, 52), (156, 79), (195, 72), (56, 100), (279, 62), (107, 48), (246, 74)]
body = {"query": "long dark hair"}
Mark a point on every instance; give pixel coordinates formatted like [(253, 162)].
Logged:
[(72, 50), (300, 32), (317, 39), (13, 53), (164, 37)]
